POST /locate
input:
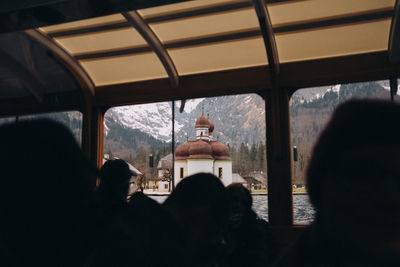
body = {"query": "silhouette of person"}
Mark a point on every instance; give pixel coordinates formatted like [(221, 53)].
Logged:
[(114, 181), (247, 236), (354, 186), (46, 188), (142, 234), (199, 205)]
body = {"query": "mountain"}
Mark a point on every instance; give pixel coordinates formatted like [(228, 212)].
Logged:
[(238, 119)]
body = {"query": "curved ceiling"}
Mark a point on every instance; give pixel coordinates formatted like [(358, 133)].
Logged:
[(217, 47)]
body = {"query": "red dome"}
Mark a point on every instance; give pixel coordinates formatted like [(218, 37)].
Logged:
[(211, 129), (182, 151), (200, 149), (202, 122), (220, 151)]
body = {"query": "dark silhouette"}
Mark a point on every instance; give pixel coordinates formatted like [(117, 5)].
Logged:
[(114, 181), (354, 185), (199, 205), (143, 234), (46, 187), (247, 236)]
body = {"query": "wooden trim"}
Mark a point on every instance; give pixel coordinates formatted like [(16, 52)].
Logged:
[(227, 82), (92, 135), (345, 69), (152, 39), (72, 63), (394, 37), (279, 158), (267, 32)]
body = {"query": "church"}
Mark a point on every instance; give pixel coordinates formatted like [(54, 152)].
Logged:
[(203, 155)]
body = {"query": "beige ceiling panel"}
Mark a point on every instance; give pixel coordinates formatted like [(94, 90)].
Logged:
[(220, 56), (99, 21), (333, 41), (294, 11), (100, 41), (123, 69), (183, 7), (206, 25)]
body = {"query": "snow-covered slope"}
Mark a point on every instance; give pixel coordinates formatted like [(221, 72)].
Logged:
[(154, 119)]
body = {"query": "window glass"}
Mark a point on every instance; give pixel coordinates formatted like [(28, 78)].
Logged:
[(71, 119), (233, 148), (310, 110)]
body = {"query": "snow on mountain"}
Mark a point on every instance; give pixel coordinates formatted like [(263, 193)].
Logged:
[(191, 104), (154, 118)]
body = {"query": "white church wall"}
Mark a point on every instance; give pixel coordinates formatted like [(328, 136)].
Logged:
[(226, 166), (199, 165), (177, 170), (202, 133)]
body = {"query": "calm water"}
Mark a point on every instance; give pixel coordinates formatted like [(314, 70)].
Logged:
[(303, 211)]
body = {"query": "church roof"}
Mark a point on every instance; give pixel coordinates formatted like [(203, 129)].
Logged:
[(202, 122)]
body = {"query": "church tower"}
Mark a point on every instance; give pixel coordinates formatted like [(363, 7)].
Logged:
[(203, 155)]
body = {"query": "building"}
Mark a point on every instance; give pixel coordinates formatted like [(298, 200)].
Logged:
[(203, 155), (164, 168)]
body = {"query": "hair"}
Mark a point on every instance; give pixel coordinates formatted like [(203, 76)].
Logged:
[(357, 125), (114, 172), (200, 190)]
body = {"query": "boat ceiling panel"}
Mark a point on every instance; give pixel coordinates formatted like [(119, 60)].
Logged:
[(101, 41), (123, 69), (334, 41), (206, 25), (310, 10), (86, 23), (219, 56), (188, 6)]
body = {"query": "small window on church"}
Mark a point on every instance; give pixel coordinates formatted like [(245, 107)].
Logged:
[(181, 173), (220, 172)]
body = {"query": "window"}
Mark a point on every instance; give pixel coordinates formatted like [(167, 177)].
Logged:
[(236, 132), (310, 110), (165, 186), (71, 119)]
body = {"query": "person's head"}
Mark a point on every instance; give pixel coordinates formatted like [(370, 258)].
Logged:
[(354, 178), (45, 193), (240, 202), (115, 177), (200, 205), (142, 229)]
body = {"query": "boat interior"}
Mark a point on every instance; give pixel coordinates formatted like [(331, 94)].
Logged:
[(89, 56)]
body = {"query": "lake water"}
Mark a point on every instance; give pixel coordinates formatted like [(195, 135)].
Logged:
[(302, 209)]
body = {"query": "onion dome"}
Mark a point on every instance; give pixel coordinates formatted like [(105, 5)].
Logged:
[(182, 151), (211, 129), (220, 151), (200, 149), (202, 122)]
